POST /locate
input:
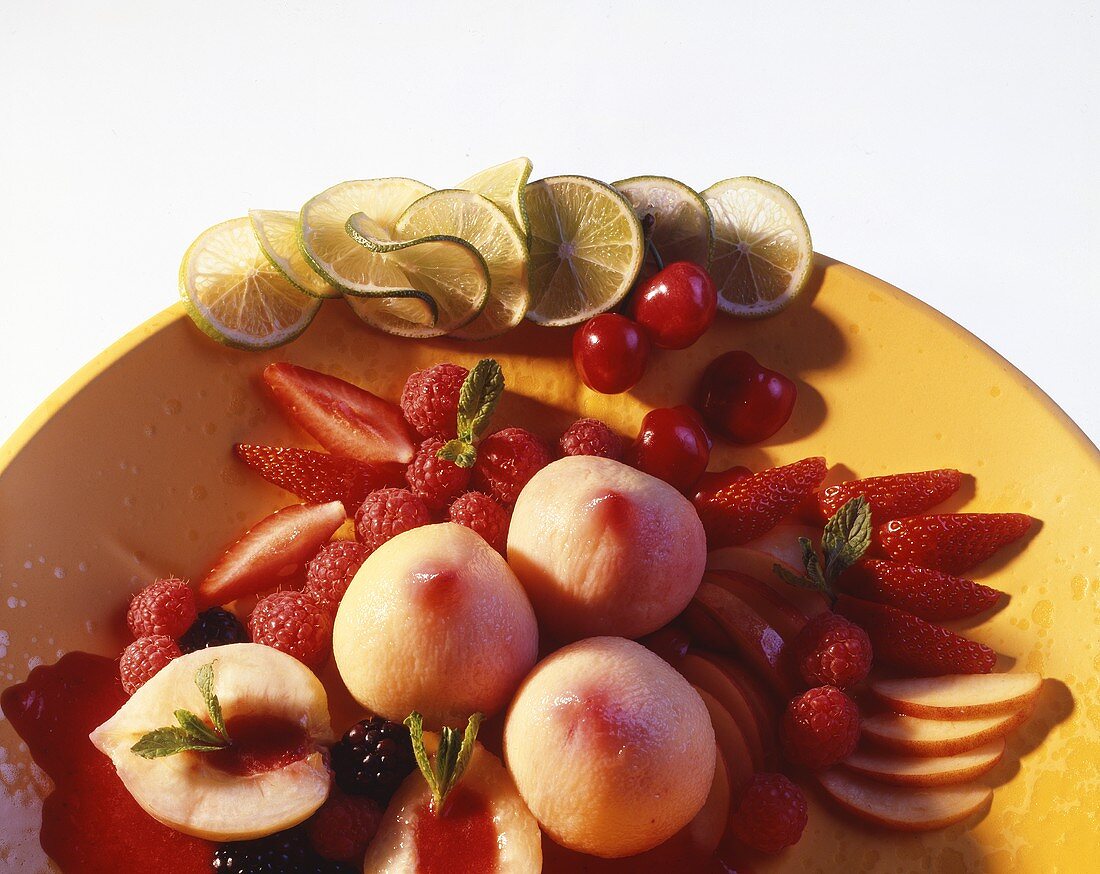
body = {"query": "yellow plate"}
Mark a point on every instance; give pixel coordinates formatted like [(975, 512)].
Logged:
[(127, 472)]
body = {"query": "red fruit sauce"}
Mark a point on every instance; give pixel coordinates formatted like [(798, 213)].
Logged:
[(259, 744), (90, 822), (461, 840)]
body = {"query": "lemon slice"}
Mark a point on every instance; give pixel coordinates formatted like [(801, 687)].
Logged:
[(448, 270), (479, 222), (277, 233), (586, 248), (680, 229), (762, 251), (504, 185), (236, 295)]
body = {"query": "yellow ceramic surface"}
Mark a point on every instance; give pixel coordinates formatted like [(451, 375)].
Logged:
[(127, 473)]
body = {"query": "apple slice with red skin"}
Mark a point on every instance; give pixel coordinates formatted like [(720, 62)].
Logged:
[(271, 551), (959, 696), (902, 808), (903, 770), (699, 670), (345, 419), (731, 742), (937, 737), (773, 608)]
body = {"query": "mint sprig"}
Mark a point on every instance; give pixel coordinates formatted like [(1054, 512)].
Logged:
[(451, 759), (846, 537), (481, 390), (192, 732)]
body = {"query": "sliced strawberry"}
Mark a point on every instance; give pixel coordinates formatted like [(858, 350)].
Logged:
[(270, 552), (911, 644), (923, 592), (895, 496), (951, 542), (317, 477), (738, 510), (342, 417)]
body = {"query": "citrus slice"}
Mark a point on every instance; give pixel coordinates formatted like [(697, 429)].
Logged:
[(277, 233), (448, 270), (586, 248), (236, 295), (762, 251), (675, 219), (354, 269), (504, 185), (479, 222)]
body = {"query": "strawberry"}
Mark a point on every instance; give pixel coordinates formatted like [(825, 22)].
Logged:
[(740, 509), (270, 552), (951, 542), (913, 645), (894, 496), (342, 417), (317, 477), (926, 593)]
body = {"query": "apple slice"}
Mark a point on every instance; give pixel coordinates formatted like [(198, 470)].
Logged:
[(959, 696), (703, 673), (759, 564), (270, 552), (902, 770), (731, 742), (899, 808), (937, 737), (750, 636), (773, 608)]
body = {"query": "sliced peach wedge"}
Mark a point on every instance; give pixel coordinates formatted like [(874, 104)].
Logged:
[(936, 737), (903, 809), (703, 672), (907, 770), (962, 696), (731, 743)]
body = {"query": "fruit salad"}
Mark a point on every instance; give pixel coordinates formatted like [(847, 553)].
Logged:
[(592, 654)]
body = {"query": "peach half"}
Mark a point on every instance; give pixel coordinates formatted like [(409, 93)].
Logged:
[(604, 549)]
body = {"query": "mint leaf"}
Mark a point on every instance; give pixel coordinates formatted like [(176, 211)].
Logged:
[(192, 733), (169, 741), (458, 451), (204, 679), (198, 729), (451, 758), (481, 390), (847, 536), (415, 723)]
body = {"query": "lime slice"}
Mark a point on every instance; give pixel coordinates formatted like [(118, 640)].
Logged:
[(479, 222), (448, 270), (586, 248), (678, 223), (277, 233), (762, 251), (236, 295), (504, 185)]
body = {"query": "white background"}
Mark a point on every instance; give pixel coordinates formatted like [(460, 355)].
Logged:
[(949, 148)]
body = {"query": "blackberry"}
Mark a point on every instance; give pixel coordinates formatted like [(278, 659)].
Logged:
[(372, 758), (286, 852), (214, 627)]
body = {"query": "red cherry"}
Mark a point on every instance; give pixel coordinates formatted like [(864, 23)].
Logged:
[(672, 445), (742, 400), (676, 305), (712, 482), (610, 353)]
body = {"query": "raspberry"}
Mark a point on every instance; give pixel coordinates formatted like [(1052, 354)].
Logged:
[(344, 826), (143, 658), (165, 607), (436, 481), (591, 437), (214, 627), (430, 400), (771, 814), (506, 461), (820, 727), (481, 514), (372, 758), (387, 513), (831, 651), (330, 571), (294, 623)]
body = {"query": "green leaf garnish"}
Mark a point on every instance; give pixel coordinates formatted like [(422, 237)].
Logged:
[(451, 758), (846, 537), (481, 390), (192, 733)]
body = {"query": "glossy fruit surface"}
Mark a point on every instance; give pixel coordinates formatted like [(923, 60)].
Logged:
[(742, 400), (676, 305), (672, 445), (610, 353)]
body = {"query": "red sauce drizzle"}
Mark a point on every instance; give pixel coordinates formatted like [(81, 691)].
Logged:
[(259, 743), (462, 840), (90, 822)]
